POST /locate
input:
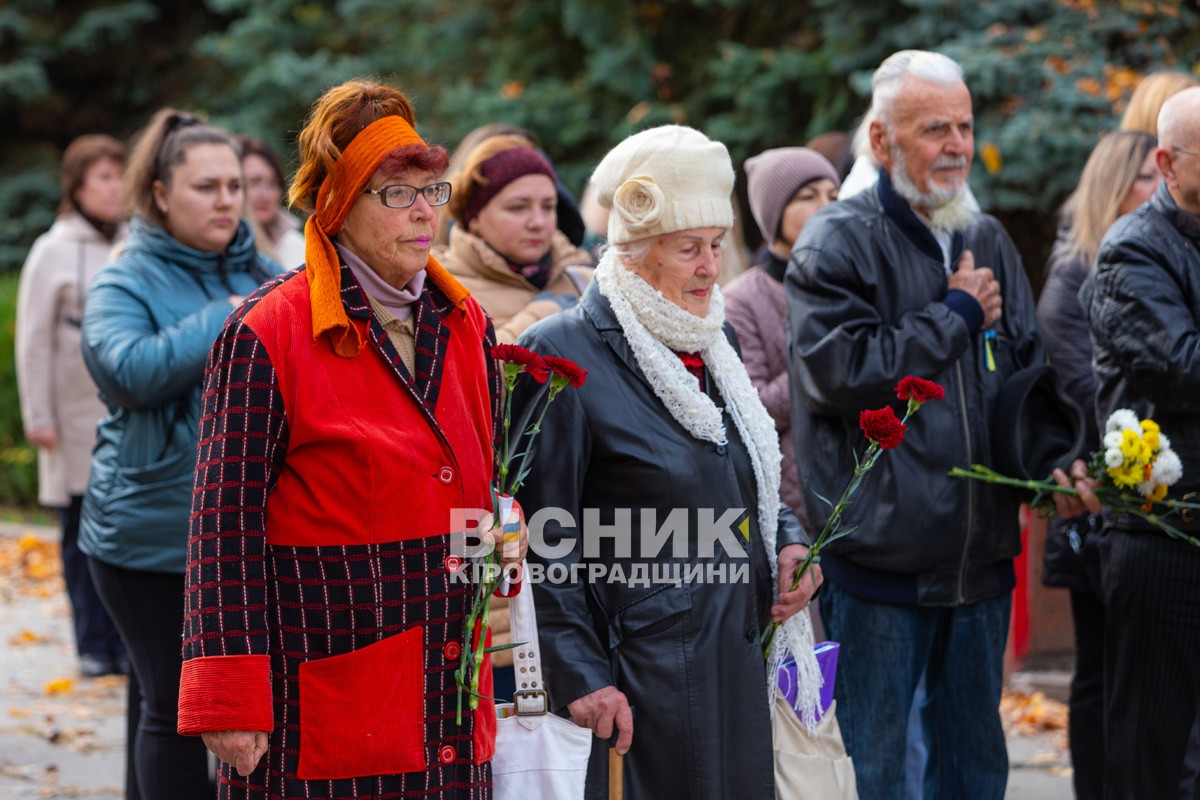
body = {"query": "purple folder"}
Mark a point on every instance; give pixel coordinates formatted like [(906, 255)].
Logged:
[(827, 656)]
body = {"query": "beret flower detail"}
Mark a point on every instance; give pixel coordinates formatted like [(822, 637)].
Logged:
[(639, 202)]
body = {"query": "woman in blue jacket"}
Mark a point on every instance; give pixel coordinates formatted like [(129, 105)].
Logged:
[(150, 319)]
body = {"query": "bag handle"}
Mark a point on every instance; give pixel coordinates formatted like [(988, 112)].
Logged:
[(530, 698)]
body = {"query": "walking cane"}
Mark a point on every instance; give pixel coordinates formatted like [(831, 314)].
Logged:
[(616, 774)]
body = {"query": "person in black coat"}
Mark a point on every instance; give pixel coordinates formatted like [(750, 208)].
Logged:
[(653, 597), (1142, 302), (1119, 176)]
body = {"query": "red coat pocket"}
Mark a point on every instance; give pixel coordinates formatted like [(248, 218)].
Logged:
[(363, 713)]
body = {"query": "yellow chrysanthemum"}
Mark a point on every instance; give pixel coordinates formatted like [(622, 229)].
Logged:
[(1126, 475), (1135, 447), (1151, 438), (1150, 426), (1160, 491)]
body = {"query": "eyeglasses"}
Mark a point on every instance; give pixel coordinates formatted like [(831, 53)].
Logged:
[(401, 195), (1185, 150)]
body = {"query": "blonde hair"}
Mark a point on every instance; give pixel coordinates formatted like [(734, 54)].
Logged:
[(466, 182), (1109, 174), (1148, 97)]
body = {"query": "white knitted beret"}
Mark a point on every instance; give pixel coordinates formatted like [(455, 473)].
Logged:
[(665, 179)]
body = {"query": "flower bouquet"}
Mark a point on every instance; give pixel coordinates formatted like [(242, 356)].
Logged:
[(1133, 470), (555, 374), (884, 431)]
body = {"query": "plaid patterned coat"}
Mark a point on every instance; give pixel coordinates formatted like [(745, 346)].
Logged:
[(320, 603)]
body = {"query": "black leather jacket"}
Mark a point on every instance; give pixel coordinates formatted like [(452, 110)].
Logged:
[(867, 297), (1143, 305), (687, 657)]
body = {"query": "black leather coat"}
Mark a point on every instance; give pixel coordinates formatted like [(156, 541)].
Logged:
[(865, 289), (1069, 559), (1143, 305), (688, 656)]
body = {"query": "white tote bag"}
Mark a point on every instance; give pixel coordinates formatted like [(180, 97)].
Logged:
[(810, 765), (539, 756)]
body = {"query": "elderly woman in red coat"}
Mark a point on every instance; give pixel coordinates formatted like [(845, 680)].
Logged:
[(349, 410)]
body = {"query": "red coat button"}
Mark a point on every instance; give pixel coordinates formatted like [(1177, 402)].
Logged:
[(452, 651), (453, 563), (445, 475), (447, 754)]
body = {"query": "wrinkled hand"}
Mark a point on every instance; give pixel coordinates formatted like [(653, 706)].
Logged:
[(1087, 502), (241, 750), (981, 284), (790, 558), (600, 710), (511, 553), (42, 438)]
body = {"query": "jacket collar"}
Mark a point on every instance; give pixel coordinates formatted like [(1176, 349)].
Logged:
[(599, 312), (597, 309), (80, 229), (916, 231), (478, 257), (1187, 224), (239, 256)]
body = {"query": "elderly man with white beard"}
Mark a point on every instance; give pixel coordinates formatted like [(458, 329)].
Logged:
[(909, 279)]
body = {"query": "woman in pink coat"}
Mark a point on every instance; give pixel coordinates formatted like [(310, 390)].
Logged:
[(785, 186)]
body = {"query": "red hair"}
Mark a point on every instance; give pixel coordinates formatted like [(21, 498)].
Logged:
[(334, 121)]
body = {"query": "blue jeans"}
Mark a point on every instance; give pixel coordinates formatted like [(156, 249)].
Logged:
[(884, 651)]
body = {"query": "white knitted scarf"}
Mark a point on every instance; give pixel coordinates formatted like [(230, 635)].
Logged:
[(654, 328)]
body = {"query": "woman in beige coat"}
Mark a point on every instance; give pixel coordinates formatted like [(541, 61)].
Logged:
[(59, 404), (505, 246)]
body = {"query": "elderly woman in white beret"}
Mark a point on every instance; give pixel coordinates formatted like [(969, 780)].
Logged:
[(674, 553)]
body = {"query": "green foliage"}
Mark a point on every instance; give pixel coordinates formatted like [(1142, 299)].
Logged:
[(70, 67), (1047, 77), (18, 461)]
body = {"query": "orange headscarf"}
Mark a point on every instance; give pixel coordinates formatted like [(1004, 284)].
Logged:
[(338, 192)]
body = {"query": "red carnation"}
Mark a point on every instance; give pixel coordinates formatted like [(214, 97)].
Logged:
[(524, 358), (919, 389), (881, 425), (575, 374)]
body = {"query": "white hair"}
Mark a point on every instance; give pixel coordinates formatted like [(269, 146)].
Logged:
[(632, 254), (861, 143), (923, 64), (1178, 116)]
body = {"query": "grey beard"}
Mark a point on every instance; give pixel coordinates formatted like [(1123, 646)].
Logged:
[(949, 209)]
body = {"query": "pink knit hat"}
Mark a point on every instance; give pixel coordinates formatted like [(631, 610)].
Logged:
[(774, 176)]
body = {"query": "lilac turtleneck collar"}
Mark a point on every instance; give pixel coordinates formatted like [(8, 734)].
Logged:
[(397, 301)]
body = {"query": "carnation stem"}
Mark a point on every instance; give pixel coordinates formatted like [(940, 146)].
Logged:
[(833, 522)]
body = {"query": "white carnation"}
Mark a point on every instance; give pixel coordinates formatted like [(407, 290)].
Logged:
[(1112, 439), (1123, 419), (1164, 444), (1113, 457), (1167, 468), (1146, 488)]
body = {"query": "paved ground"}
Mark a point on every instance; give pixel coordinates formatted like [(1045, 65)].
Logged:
[(64, 737)]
